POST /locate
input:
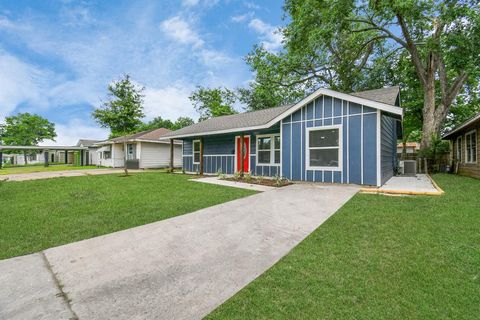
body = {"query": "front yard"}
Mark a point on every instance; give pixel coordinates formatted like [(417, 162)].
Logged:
[(378, 257), (41, 168), (40, 214)]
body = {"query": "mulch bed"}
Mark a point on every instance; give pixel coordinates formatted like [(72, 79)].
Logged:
[(263, 182)]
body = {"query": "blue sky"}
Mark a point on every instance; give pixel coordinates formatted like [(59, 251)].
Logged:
[(57, 57)]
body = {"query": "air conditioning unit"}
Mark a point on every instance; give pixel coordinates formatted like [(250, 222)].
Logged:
[(401, 167), (410, 167)]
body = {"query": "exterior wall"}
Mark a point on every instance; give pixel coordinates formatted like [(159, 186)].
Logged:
[(93, 157), (467, 169), (388, 147), (359, 141), (116, 160), (157, 155), (219, 154)]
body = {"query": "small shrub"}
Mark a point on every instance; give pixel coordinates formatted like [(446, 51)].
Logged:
[(278, 180), (236, 176), (219, 172), (247, 177), (183, 171)]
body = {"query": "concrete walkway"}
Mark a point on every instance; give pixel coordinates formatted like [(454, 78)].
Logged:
[(180, 268), (58, 174)]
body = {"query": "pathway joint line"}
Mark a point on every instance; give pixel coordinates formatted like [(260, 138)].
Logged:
[(63, 294)]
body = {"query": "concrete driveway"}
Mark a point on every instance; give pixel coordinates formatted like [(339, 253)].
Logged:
[(59, 174), (180, 268)]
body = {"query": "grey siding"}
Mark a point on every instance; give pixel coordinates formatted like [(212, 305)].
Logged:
[(359, 141), (388, 147)]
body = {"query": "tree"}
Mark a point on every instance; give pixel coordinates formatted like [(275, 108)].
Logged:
[(213, 102), (156, 123), (440, 38), (123, 112), (26, 129), (182, 122)]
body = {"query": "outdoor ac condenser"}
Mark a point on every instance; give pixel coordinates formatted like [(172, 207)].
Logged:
[(410, 167)]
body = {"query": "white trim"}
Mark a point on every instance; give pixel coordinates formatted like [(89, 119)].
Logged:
[(379, 149), (301, 144), (280, 174), (465, 124), (470, 133), (361, 147), (291, 146), (340, 148), (272, 149), (348, 142), (322, 91), (219, 155), (193, 151)]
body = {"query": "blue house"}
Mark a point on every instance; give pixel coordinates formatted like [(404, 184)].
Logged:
[(328, 136)]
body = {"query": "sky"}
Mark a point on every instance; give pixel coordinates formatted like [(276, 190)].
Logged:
[(57, 57)]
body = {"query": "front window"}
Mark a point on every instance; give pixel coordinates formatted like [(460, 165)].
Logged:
[(324, 148), (196, 151), (471, 147), (268, 149), (107, 155)]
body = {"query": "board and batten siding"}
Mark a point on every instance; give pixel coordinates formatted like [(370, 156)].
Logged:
[(359, 141), (219, 155), (157, 155), (388, 147)]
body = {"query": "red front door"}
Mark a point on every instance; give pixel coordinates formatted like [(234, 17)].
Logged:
[(246, 154)]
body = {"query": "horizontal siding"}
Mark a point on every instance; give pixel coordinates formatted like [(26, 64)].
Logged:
[(468, 169), (156, 155), (388, 147)]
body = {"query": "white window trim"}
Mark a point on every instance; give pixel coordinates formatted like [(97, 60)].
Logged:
[(458, 149), (193, 151), (340, 148), (272, 149), (467, 160)]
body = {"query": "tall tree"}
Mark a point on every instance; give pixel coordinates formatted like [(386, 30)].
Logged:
[(213, 102), (123, 110), (26, 129), (440, 37), (159, 122), (182, 122)]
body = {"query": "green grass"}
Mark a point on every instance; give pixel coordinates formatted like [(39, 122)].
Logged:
[(41, 168), (40, 214), (379, 257)]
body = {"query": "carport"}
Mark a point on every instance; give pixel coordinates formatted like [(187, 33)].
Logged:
[(46, 151)]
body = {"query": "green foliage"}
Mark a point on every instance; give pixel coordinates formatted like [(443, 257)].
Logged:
[(26, 129), (182, 122), (123, 112), (213, 102)]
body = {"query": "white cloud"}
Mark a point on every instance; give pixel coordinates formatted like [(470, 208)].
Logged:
[(179, 30), (271, 37), (190, 3), (69, 133), (169, 102), (19, 83), (242, 17), (251, 5)]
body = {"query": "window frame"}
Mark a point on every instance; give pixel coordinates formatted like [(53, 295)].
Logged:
[(458, 149), (339, 147), (272, 149), (471, 133), (193, 151)]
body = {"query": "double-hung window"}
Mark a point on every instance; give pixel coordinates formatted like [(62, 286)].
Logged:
[(459, 149), (196, 151), (471, 147), (268, 150), (324, 148)]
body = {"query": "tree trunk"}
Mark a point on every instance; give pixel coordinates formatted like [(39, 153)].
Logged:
[(25, 157), (430, 126)]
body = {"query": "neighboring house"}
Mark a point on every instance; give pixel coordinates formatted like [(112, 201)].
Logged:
[(411, 150), (91, 157), (144, 150), (327, 137), (465, 147)]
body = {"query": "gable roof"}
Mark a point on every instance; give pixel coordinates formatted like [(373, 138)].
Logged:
[(153, 135), (462, 126), (86, 143), (384, 95), (266, 118)]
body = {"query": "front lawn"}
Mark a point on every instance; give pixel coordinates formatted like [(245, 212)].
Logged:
[(378, 257), (39, 214), (41, 168)]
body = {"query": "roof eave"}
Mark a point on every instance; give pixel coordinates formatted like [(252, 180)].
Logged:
[(462, 126)]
